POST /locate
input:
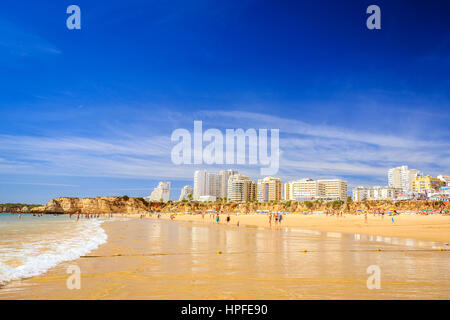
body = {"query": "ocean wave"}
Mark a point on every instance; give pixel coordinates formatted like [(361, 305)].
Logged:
[(33, 258)]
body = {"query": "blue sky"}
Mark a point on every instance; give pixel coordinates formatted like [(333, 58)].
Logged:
[(90, 112)]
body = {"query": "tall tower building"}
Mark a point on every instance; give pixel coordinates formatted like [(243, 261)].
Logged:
[(213, 184), (224, 176), (402, 178), (200, 184)]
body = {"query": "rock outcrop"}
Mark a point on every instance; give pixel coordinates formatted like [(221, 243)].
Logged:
[(139, 205), (94, 205)]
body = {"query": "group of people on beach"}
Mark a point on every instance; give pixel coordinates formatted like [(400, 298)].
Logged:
[(277, 217), (89, 215)]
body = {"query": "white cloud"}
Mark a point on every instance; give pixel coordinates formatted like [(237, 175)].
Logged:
[(308, 150)]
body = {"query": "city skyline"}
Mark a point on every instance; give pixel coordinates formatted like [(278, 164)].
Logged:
[(90, 112), (401, 181)]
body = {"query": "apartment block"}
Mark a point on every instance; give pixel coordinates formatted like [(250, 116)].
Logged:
[(427, 184), (269, 189), (375, 193), (224, 176), (335, 189), (241, 188), (402, 177), (161, 192), (185, 192)]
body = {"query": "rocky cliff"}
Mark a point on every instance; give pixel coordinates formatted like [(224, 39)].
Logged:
[(139, 205), (94, 205)]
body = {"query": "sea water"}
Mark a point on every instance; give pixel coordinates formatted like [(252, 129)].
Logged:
[(31, 245)]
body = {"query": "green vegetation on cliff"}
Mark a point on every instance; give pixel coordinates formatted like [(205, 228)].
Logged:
[(18, 205)]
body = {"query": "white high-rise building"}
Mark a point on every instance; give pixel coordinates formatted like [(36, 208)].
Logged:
[(200, 181), (305, 189), (375, 193), (161, 192), (206, 184), (213, 184), (335, 189), (308, 189), (224, 176), (402, 178), (187, 190)]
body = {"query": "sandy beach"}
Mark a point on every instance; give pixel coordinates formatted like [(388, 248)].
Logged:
[(430, 228), (194, 258)]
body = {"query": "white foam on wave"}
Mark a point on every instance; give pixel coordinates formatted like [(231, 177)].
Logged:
[(87, 236)]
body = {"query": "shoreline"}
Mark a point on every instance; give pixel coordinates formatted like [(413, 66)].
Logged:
[(435, 227)]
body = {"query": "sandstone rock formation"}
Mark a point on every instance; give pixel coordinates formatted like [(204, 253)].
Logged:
[(139, 205)]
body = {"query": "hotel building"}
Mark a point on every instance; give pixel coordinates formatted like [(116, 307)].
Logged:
[(269, 189), (161, 192), (187, 190), (211, 184), (241, 188), (200, 178), (335, 189), (427, 184), (375, 193), (224, 176), (402, 177), (308, 189)]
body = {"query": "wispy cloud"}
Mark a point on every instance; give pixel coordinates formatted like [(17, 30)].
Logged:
[(20, 42), (39, 184), (307, 150)]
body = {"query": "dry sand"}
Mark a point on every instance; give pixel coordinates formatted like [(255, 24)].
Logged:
[(421, 227)]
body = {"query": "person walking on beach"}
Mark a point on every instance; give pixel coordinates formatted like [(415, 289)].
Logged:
[(280, 217), (228, 218), (270, 219), (365, 217), (217, 218)]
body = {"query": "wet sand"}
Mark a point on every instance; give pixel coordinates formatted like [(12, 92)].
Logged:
[(160, 259)]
